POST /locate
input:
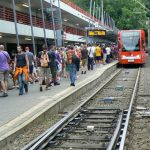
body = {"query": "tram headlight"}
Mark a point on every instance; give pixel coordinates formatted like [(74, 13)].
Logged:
[(138, 56), (123, 57)]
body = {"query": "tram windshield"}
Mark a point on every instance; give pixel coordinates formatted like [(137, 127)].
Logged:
[(131, 41)]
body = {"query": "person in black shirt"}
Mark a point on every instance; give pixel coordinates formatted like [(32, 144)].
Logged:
[(21, 69), (53, 65), (84, 59)]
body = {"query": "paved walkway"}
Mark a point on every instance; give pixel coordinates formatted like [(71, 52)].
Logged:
[(14, 105)]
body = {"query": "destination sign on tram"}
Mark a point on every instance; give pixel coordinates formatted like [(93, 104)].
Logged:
[(96, 32)]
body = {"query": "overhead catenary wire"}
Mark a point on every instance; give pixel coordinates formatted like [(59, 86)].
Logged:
[(142, 5)]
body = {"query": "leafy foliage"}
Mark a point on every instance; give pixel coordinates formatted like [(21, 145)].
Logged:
[(127, 13)]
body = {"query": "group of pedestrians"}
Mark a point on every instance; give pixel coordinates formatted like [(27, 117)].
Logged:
[(51, 64)]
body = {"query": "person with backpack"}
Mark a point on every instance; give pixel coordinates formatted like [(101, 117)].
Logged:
[(44, 57), (84, 59)]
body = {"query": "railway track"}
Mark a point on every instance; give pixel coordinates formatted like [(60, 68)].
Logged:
[(99, 123)]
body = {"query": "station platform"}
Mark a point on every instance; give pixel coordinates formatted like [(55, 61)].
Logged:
[(15, 110)]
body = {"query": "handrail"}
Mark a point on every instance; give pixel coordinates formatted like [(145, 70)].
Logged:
[(23, 18), (73, 5)]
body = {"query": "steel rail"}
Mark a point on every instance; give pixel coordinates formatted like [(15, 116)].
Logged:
[(36, 144), (121, 146), (116, 133)]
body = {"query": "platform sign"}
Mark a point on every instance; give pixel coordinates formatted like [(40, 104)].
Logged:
[(96, 32)]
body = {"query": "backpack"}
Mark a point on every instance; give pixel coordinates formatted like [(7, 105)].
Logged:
[(44, 60)]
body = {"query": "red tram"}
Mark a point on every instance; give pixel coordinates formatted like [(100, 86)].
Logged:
[(132, 47)]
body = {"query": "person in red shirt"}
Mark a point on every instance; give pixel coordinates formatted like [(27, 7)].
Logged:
[(72, 59)]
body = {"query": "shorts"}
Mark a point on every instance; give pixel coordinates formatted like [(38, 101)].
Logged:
[(34, 70), (45, 72), (98, 58), (59, 68), (84, 62), (67, 67), (31, 69), (4, 75), (53, 71)]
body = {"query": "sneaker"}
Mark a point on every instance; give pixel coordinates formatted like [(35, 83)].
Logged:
[(72, 84), (47, 88), (41, 89), (26, 89), (49, 85), (36, 80), (4, 95), (43, 82), (20, 93), (56, 83)]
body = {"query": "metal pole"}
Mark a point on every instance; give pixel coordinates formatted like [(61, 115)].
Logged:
[(99, 17), (43, 22), (15, 20), (149, 34), (61, 26), (104, 17), (54, 30), (90, 12), (31, 23), (102, 14), (94, 12), (97, 12)]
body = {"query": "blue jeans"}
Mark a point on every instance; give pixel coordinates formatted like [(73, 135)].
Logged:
[(90, 63), (73, 70), (22, 83), (108, 59)]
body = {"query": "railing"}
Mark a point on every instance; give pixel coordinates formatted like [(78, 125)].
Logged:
[(68, 2), (23, 18), (71, 4), (71, 30)]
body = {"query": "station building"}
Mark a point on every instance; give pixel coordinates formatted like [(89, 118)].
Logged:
[(34, 22)]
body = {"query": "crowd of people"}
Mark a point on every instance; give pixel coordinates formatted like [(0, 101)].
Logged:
[(51, 64)]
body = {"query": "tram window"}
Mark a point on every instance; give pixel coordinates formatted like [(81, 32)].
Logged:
[(137, 47), (131, 41)]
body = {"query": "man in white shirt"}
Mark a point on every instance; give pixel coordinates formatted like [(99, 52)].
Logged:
[(108, 51), (91, 51)]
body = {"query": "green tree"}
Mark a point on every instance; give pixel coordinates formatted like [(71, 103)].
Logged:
[(127, 13)]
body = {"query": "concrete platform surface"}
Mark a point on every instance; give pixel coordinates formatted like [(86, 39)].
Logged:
[(15, 106)]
